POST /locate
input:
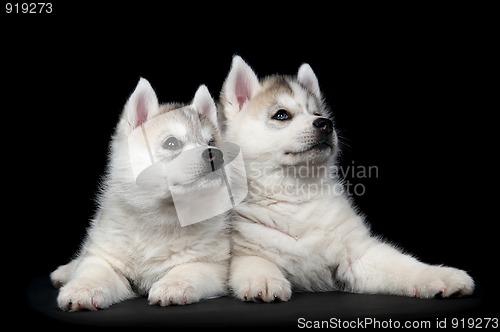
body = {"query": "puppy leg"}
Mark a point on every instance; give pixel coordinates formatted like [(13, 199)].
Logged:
[(189, 283), (94, 285), (254, 278), (384, 269)]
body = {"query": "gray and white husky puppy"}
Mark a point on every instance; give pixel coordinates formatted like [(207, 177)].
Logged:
[(295, 231), (135, 245)]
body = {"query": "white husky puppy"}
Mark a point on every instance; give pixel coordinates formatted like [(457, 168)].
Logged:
[(296, 230), (135, 245)]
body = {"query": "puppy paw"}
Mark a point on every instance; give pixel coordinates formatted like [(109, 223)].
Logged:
[(61, 275), (78, 296), (263, 289), (443, 282), (164, 293)]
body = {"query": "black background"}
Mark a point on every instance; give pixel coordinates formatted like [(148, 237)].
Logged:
[(409, 92)]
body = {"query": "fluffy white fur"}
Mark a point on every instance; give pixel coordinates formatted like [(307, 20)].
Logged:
[(295, 231), (135, 245)]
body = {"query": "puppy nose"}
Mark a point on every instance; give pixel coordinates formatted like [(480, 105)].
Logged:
[(324, 125), (213, 156)]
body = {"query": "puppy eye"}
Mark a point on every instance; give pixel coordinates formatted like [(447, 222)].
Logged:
[(211, 142), (317, 114), (281, 115), (172, 143)]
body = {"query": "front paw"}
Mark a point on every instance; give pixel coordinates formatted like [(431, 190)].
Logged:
[(78, 296), (443, 282), (62, 274), (164, 293), (265, 289), (59, 276)]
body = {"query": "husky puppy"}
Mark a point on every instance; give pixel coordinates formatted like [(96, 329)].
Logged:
[(295, 229), (135, 245)]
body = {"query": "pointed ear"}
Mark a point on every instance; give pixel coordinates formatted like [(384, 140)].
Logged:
[(142, 104), (204, 104), (308, 79), (241, 85)]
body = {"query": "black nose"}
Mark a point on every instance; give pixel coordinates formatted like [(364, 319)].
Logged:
[(213, 156), (324, 125)]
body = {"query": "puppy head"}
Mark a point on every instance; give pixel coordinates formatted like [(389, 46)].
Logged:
[(172, 145), (281, 120)]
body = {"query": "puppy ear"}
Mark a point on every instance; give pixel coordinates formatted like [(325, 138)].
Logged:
[(309, 80), (142, 104), (241, 85), (204, 104)]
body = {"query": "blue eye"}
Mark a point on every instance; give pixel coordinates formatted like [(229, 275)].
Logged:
[(211, 142), (281, 115), (172, 143)]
